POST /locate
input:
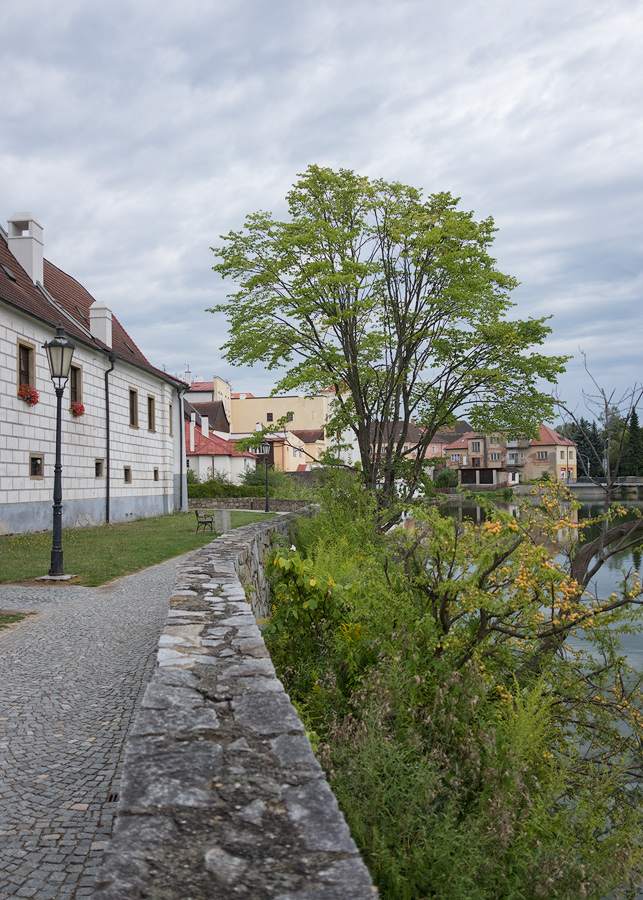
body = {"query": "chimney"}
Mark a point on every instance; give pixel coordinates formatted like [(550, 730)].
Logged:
[(205, 426), (100, 322), (25, 242)]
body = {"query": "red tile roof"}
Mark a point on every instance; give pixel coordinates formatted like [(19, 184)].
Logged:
[(64, 300), (211, 445), (547, 436)]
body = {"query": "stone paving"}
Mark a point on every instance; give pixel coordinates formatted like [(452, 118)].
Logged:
[(71, 677)]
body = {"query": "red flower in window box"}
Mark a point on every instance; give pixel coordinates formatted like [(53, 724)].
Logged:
[(28, 394), (77, 409)]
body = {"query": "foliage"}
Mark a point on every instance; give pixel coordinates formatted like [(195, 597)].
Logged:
[(634, 454), (215, 489), (476, 749), (256, 477), (446, 477), (191, 477), (100, 554), (393, 300)]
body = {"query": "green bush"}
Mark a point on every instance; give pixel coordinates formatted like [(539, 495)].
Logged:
[(468, 763), (220, 489), (446, 477)]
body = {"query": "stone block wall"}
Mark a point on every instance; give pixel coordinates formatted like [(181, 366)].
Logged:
[(221, 794)]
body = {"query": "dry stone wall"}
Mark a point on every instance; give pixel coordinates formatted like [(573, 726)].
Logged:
[(221, 794)]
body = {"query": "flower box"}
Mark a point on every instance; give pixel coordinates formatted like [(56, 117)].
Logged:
[(28, 394)]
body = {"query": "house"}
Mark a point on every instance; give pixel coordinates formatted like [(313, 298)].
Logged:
[(208, 452), (122, 441), (495, 459), (303, 415)]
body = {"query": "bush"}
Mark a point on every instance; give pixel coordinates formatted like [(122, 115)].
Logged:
[(207, 489), (470, 758), (277, 480), (446, 477)]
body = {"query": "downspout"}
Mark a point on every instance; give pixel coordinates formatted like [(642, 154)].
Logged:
[(181, 431), (112, 359)]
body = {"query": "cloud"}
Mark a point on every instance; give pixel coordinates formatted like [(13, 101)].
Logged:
[(139, 133)]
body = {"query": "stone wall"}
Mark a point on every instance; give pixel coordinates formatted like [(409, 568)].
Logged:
[(221, 794)]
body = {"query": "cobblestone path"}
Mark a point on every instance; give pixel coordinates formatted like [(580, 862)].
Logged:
[(70, 680)]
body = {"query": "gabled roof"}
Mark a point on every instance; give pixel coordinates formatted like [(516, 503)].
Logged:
[(461, 443), (547, 436), (63, 299), (213, 409), (413, 432), (211, 445)]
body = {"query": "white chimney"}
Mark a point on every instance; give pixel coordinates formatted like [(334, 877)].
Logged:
[(205, 426), (25, 242), (100, 322)]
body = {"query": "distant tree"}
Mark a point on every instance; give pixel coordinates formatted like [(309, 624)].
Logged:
[(394, 301), (634, 452)]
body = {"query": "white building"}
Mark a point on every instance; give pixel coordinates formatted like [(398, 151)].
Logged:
[(209, 453), (124, 456)]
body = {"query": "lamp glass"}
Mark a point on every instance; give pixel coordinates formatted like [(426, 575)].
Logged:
[(60, 351)]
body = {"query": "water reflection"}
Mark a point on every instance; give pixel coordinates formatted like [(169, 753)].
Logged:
[(609, 576)]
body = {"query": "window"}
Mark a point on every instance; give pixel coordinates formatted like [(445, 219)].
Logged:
[(475, 446), (169, 412), (570, 454), (26, 364), (455, 457), (151, 414), (127, 475), (494, 457), (268, 417), (562, 454), (75, 385), (542, 454), (99, 468), (156, 474), (433, 449), (289, 417), (36, 466), (133, 408), (475, 461)]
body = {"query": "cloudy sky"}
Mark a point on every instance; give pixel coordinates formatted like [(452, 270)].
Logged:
[(138, 132)]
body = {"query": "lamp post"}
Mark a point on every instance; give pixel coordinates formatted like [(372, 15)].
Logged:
[(265, 450), (59, 354)]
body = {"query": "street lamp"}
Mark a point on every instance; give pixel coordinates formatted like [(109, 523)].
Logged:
[(59, 354), (264, 448)]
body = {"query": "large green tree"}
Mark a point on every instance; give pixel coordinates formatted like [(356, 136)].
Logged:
[(394, 300)]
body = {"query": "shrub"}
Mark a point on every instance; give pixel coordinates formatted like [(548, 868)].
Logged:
[(446, 477)]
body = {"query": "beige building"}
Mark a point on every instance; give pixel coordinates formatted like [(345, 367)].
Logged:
[(493, 459), (301, 413)]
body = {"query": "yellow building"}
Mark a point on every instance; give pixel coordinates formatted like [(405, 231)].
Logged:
[(302, 413)]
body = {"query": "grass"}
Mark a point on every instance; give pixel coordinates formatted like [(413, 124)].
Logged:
[(8, 618), (101, 554)]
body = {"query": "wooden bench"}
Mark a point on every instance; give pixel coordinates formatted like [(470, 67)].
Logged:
[(204, 519)]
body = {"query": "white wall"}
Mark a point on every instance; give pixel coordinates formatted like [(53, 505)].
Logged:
[(25, 502)]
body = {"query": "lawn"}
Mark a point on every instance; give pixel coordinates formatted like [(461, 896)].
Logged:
[(100, 554)]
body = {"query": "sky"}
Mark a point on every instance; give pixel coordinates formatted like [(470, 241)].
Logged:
[(139, 132)]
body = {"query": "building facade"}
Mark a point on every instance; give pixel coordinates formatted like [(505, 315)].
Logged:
[(494, 459), (123, 453)]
